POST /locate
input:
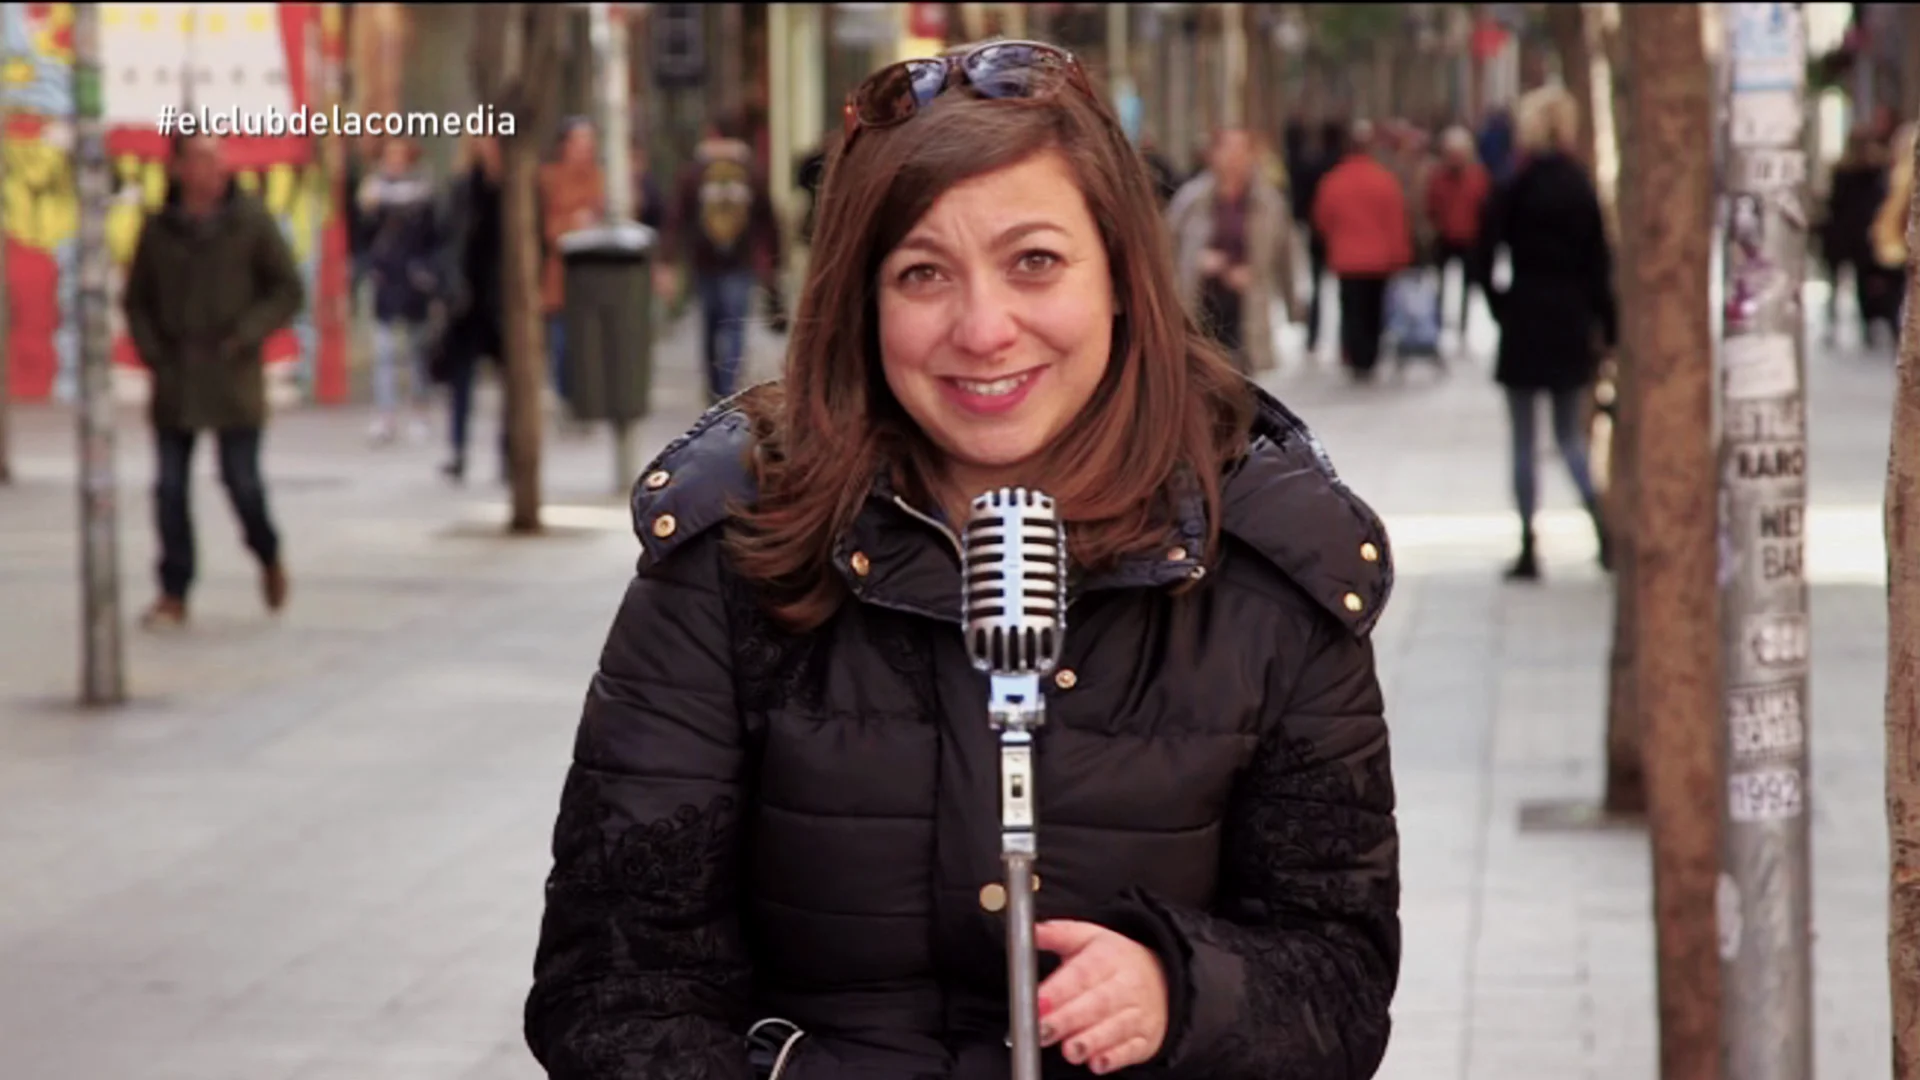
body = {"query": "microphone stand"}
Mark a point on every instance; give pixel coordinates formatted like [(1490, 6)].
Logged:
[(1015, 709)]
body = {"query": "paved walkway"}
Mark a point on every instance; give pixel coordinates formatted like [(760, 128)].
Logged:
[(312, 847)]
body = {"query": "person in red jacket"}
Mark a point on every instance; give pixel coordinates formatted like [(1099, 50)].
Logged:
[(1455, 193), (1362, 212)]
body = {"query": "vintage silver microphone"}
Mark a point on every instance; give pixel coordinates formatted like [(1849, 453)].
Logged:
[(1014, 606)]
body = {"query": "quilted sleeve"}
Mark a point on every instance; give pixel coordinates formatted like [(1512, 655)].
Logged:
[(1292, 971), (641, 971)]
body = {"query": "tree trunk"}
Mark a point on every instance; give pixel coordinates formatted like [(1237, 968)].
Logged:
[(1626, 787), (1903, 685), (523, 329), (1677, 656), (1568, 24), (1910, 60), (516, 64)]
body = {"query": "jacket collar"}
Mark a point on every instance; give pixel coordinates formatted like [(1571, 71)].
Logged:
[(1281, 500)]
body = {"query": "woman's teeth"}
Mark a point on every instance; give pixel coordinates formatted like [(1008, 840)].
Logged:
[(997, 387)]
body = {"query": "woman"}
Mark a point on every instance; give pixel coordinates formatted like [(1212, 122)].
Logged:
[(1858, 186), (784, 801), (573, 195), (474, 332), (1233, 251), (401, 261), (1557, 312)]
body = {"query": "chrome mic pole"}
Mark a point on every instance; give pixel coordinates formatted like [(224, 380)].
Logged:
[(1015, 612)]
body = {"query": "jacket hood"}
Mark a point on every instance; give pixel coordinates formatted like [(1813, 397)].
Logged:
[(1282, 500)]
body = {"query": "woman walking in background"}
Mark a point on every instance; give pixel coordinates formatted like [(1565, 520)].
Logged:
[(473, 332), (1558, 310), (403, 246)]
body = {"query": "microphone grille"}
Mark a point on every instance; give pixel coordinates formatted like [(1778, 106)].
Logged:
[(1014, 598)]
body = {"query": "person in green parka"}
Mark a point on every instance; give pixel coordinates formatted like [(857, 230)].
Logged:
[(211, 279)]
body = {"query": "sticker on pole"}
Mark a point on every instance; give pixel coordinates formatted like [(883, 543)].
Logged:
[(1760, 366), (1778, 643), (1769, 170), (1726, 903), (1765, 723), (1773, 794), (1766, 43), (1766, 118)]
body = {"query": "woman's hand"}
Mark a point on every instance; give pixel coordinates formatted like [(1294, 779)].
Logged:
[(1108, 999)]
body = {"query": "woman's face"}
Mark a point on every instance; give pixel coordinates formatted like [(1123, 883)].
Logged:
[(996, 318)]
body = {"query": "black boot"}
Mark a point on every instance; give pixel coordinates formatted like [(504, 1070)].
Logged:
[(1525, 568), (1600, 534)]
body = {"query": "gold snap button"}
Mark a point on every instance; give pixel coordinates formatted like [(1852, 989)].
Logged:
[(1178, 554), (1353, 602), (860, 563), (1036, 883), (663, 526), (1369, 553), (1065, 679), (993, 896), (658, 479)]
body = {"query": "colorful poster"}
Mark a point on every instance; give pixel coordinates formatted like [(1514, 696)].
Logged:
[(252, 55)]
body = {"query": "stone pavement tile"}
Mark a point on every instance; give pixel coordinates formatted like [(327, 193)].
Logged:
[(1424, 1045), (1538, 1054)]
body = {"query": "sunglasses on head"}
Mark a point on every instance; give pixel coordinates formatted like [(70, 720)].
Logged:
[(997, 70)]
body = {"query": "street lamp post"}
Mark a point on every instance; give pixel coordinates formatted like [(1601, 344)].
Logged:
[(103, 679), (1764, 898)]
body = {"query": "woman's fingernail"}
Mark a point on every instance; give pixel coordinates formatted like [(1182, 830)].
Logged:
[(1047, 1034), (1076, 1052), (1045, 1006), (1101, 1066)]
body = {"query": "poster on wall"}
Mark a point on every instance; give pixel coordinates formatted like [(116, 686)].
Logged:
[(253, 56)]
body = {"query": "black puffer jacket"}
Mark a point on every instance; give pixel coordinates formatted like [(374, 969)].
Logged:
[(758, 824)]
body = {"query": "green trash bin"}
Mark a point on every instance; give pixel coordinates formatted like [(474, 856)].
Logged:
[(609, 322)]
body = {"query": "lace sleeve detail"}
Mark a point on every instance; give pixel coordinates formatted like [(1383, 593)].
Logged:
[(641, 971), (1292, 972)]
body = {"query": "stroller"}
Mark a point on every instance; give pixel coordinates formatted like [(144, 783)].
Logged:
[(1413, 316)]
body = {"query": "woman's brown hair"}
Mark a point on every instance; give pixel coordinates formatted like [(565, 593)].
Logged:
[(1169, 413)]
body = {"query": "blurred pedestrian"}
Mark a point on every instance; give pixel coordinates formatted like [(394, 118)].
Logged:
[(473, 334), (780, 824), (724, 230), (1557, 314), (211, 279), (1456, 192), (1166, 178), (1859, 185), (1362, 212), (1495, 143), (402, 264), (1233, 245), (1323, 153), (649, 204), (573, 195), (1889, 236)]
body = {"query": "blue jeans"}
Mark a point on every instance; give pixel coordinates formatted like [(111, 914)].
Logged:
[(397, 343), (725, 300), (1523, 413), (239, 471)]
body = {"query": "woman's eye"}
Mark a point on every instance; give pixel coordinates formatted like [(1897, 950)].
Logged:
[(1038, 262), (918, 274)]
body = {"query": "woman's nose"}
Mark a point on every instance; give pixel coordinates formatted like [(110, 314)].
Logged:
[(985, 324)]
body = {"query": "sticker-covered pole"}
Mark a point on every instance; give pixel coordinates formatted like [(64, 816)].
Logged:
[(1764, 909)]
